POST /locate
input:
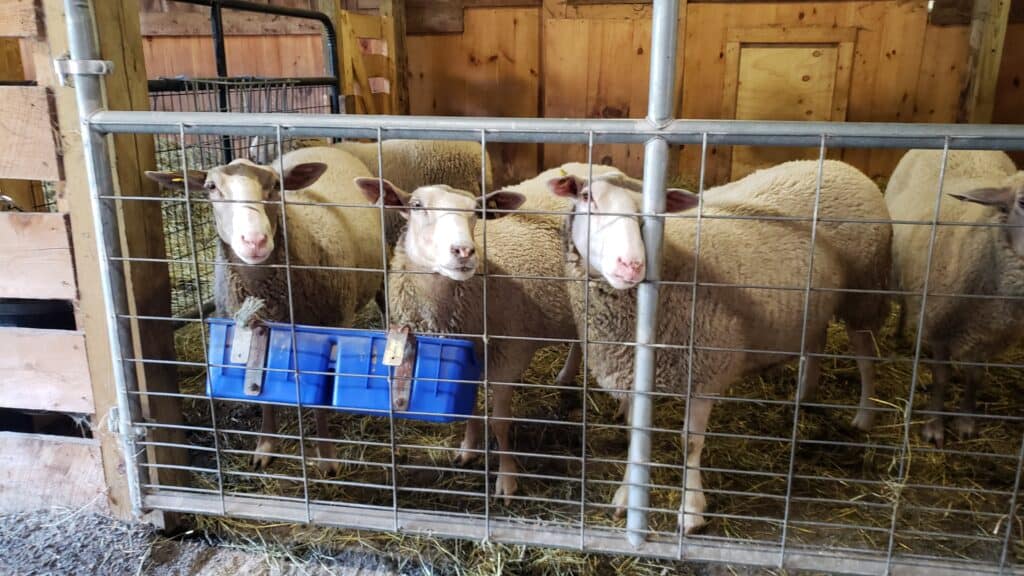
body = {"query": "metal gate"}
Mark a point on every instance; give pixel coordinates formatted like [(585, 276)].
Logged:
[(877, 519)]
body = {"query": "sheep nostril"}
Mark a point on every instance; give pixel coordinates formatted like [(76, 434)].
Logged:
[(256, 240), (463, 251)]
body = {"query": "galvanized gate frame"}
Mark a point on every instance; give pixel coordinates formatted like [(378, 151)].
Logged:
[(657, 132)]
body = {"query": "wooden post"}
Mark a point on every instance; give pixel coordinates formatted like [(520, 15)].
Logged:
[(394, 12), (117, 25), (988, 32)]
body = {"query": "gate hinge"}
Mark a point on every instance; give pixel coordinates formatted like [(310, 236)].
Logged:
[(117, 427), (67, 69)]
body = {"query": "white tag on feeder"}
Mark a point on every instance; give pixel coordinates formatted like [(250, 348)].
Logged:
[(394, 351), (240, 343)]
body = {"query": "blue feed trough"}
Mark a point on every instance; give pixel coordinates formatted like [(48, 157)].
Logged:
[(343, 369)]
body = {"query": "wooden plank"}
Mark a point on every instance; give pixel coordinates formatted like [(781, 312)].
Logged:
[(44, 370), (38, 472), (942, 71), (988, 33), (36, 256), (1010, 90), (19, 18), (434, 17), (28, 149), (235, 24), (393, 13)]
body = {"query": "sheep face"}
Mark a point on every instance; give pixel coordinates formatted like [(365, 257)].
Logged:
[(605, 224), (240, 192), (1010, 201), (441, 220)]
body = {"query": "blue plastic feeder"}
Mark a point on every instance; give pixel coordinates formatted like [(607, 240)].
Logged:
[(344, 369)]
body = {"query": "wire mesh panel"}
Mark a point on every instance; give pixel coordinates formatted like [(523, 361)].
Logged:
[(754, 301), (244, 95)]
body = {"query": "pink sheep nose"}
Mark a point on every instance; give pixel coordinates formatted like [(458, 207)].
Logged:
[(463, 252), (629, 270), (256, 241)]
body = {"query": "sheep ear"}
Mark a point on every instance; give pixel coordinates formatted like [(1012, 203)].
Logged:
[(303, 176), (1001, 198), (566, 186), (176, 181), (500, 200), (622, 181), (679, 200), (393, 195)]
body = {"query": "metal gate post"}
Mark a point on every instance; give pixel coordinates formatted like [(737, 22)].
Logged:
[(659, 114), (83, 49)]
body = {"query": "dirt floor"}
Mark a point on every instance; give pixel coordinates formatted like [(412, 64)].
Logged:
[(68, 542)]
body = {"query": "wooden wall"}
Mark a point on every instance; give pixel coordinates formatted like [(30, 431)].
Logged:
[(566, 58)]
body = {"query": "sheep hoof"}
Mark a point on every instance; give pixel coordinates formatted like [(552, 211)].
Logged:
[(465, 456), (506, 486), (864, 420), (964, 426), (691, 517), (620, 501), (264, 454), (932, 431)]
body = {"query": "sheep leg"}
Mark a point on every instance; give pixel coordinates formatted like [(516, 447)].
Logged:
[(266, 446), (623, 412), (807, 388), (965, 421), (932, 431), (569, 401), (468, 451), (863, 345), (691, 517), (325, 450), (501, 412)]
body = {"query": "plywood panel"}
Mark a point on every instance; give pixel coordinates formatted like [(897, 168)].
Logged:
[(782, 83), (493, 69), (28, 148), (19, 18), (44, 370), (38, 472), (35, 256), (275, 56), (942, 74), (1010, 90)]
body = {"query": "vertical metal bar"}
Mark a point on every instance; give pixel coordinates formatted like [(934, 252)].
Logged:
[(83, 45), (391, 369), (487, 379), (199, 309), (693, 334), (801, 372), (659, 112), (908, 412), (1013, 508), (221, 60), (291, 320), (585, 356)]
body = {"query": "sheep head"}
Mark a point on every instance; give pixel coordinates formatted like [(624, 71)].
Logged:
[(441, 219), (605, 224), (244, 196), (1009, 200)]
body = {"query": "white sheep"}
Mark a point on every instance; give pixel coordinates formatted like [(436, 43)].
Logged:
[(251, 251), (764, 253), (410, 164), (433, 285), (970, 260)]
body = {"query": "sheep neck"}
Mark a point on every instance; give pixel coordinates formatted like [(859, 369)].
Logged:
[(260, 280)]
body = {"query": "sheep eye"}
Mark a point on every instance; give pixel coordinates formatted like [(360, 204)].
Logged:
[(415, 204), (209, 185)]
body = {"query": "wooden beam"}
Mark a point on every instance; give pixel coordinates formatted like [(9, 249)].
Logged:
[(19, 18), (28, 149), (27, 194), (38, 472), (44, 370), (393, 12), (34, 251), (235, 24), (988, 32)]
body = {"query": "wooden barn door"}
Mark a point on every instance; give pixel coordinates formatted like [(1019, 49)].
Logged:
[(780, 74)]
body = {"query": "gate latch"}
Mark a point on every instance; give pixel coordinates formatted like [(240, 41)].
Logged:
[(400, 352), (67, 69)]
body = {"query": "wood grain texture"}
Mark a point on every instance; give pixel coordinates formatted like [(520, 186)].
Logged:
[(988, 32), (28, 146), (434, 17), (36, 256), (38, 472), (235, 24), (44, 370), (19, 18)]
